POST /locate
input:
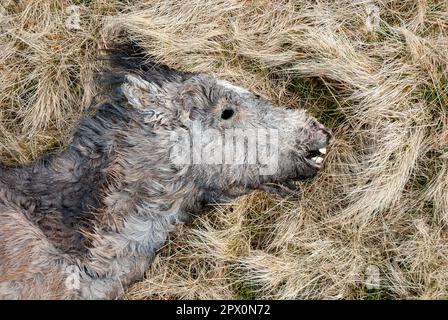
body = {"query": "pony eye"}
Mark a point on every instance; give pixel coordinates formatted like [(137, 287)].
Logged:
[(227, 114)]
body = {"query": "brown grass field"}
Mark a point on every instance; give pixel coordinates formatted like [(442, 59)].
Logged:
[(372, 225)]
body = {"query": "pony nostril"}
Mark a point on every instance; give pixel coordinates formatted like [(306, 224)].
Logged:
[(316, 126), (319, 129)]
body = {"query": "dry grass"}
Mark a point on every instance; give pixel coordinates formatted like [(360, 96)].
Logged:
[(375, 71)]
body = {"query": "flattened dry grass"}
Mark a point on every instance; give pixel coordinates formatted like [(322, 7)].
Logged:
[(374, 71)]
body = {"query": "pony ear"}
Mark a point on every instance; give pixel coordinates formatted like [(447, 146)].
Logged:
[(139, 92)]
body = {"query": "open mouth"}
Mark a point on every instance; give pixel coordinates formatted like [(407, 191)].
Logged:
[(316, 157)]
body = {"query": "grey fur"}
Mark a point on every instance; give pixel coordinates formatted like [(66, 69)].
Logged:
[(86, 222)]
